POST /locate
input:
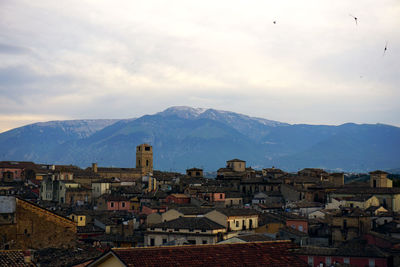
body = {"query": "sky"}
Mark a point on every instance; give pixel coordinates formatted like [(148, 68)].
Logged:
[(62, 60)]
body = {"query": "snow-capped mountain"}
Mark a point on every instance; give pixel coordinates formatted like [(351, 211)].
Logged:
[(185, 137)]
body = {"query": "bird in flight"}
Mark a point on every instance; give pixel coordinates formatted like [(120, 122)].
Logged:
[(384, 50), (354, 17), (274, 22)]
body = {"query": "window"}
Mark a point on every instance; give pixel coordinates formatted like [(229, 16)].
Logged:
[(203, 230), (237, 223), (81, 218), (192, 242), (328, 261), (164, 240), (311, 260), (204, 242), (371, 263), (147, 162), (191, 230), (344, 223), (151, 241), (139, 162), (123, 204), (220, 196), (147, 148), (112, 204), (301, 228), (346, 260)]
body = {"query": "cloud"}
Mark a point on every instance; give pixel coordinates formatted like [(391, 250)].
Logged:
[(12, 49), (85, 59)]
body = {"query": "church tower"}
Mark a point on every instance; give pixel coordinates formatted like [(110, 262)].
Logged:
[(144, 158)]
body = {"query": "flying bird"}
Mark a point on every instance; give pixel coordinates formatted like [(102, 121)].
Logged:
[(274, 22), (384, 50), (354, 17)]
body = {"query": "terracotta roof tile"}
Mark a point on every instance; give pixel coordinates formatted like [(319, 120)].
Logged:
[(270, 253), (13, 258)]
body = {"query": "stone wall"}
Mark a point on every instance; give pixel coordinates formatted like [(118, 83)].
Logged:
[(37, 228)]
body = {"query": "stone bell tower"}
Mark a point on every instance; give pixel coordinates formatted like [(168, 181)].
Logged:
[(144, 158)]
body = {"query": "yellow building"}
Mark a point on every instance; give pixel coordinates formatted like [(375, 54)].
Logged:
[(144, 159), (80, 219), (379, 179)]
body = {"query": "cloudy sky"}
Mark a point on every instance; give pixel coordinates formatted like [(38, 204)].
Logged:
[(122, 59)]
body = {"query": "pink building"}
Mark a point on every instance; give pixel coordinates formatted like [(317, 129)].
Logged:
[(114, 202), (177, 198), (11, 171), (152, 209), (214, 197), (354, 253), (298, 224)]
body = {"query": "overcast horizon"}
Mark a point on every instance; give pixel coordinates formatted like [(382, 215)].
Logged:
[(308, 62)]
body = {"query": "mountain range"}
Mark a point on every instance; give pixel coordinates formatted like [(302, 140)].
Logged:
[(185, 137)]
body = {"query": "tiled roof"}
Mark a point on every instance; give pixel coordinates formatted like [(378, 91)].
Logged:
[(305, 204), (195, 223), (77, 189), (194, 169), (13, 258), (367, 190), (275, 253), (293, 231), (194, 210), (378, 172), (266, 218), (115, 197), (353, 248), (254, 237), (236, 160), (238, 212), (233, 195), (361, 198), (179, 196), (17, 164), (90, 228)]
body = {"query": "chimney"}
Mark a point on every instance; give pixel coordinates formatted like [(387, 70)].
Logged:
[(94, 167)]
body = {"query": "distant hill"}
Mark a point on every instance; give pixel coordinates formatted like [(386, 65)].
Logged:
[(184, 137), (394, 171)]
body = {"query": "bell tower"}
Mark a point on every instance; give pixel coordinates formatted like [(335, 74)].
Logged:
[(144, 158)]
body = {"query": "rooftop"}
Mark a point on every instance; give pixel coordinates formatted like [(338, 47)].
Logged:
[(238, 212), (13, 258), (270, 253), (195, 223)]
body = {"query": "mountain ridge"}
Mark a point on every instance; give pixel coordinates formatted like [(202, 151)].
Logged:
[(184, 137)]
